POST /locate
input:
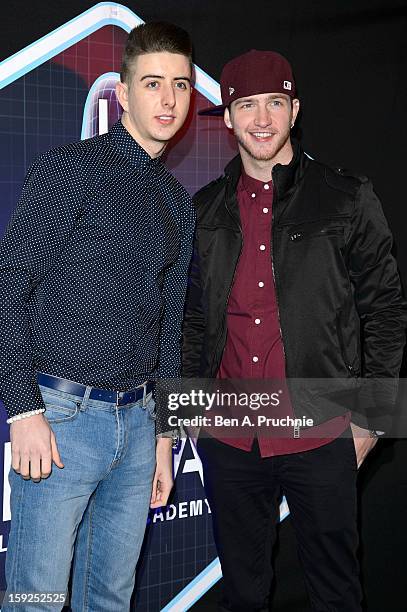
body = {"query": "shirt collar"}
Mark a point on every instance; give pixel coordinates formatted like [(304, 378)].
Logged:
[(285, 177), (252, 185), (130, 148)]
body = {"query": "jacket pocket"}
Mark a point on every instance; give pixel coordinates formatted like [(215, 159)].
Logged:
[(314, 232), (351, 363)]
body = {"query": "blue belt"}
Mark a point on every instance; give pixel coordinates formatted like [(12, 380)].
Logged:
[(120, 398)]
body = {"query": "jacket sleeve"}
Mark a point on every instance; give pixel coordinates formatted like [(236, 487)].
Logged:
[(381, 308), (38, 230), (194, 321)]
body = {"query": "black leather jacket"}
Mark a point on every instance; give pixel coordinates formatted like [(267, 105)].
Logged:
[(342, 314)]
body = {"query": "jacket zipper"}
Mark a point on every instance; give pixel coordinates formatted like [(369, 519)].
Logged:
[(296, 428), (233, 277)]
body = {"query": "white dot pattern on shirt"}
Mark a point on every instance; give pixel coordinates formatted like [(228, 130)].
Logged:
[(93, 271)]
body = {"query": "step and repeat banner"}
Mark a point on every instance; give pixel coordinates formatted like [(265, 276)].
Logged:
[(59, 89)]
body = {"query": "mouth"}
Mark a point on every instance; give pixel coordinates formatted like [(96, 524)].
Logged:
[(165, 119), (262, 136)]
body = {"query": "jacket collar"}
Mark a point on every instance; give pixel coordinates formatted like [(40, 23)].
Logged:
[(283, 177)]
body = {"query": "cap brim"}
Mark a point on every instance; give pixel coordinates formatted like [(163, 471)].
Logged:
[(216, 111)]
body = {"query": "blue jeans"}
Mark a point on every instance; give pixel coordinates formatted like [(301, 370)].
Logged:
[(92, 512)]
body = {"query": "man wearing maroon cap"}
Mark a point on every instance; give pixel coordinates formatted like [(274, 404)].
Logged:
[(292, 279)]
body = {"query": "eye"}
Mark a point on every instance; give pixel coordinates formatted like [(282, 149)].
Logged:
[(152, 84), (247, 105), (277, 103), (180, 85)]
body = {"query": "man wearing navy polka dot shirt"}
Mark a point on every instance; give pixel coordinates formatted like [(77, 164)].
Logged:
[(93, 273)]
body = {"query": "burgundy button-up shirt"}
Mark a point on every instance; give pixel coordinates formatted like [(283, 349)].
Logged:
[(254, 347)]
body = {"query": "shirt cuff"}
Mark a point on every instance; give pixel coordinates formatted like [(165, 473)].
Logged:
[(20, 393), (173, 433), (24, 415)]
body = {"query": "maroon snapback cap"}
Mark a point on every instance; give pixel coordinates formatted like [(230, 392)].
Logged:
[(254, 72)]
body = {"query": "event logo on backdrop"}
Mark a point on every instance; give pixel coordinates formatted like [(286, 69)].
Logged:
[(59, 89)]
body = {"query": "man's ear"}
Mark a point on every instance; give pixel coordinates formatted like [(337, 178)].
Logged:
[(226, 118), (122, 94), (295, 110)]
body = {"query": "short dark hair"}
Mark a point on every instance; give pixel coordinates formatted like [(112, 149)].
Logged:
[(154, 37)]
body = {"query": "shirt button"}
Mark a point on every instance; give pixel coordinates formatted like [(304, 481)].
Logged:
[(255, 359), (253, 195), (265, 210), (266, 186), (257, 321), (262, 247), (261, 284)]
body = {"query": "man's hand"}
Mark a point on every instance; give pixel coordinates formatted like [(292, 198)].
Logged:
[(163, 480), (363, 443), (33, 448)]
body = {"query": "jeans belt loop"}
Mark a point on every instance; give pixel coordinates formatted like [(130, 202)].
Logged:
[(144, 395), (85, 398)]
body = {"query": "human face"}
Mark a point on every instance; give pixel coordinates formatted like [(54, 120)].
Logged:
[(261, 124), (156, 101)]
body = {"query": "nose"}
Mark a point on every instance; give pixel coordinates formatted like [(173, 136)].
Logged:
[(168, 96), (263, 116)]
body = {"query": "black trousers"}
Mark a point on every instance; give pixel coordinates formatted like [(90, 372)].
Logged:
[(244, 492)]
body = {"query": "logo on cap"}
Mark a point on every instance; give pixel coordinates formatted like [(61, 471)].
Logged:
[(287, 85), (231, 90)]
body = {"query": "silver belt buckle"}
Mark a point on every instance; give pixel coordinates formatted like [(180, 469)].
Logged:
[(145, 394)]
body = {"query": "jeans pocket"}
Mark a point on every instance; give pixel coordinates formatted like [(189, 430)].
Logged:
[(59, 409), (150, 407)]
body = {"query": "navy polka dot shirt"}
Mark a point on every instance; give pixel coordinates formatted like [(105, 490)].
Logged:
[(93, 271)]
